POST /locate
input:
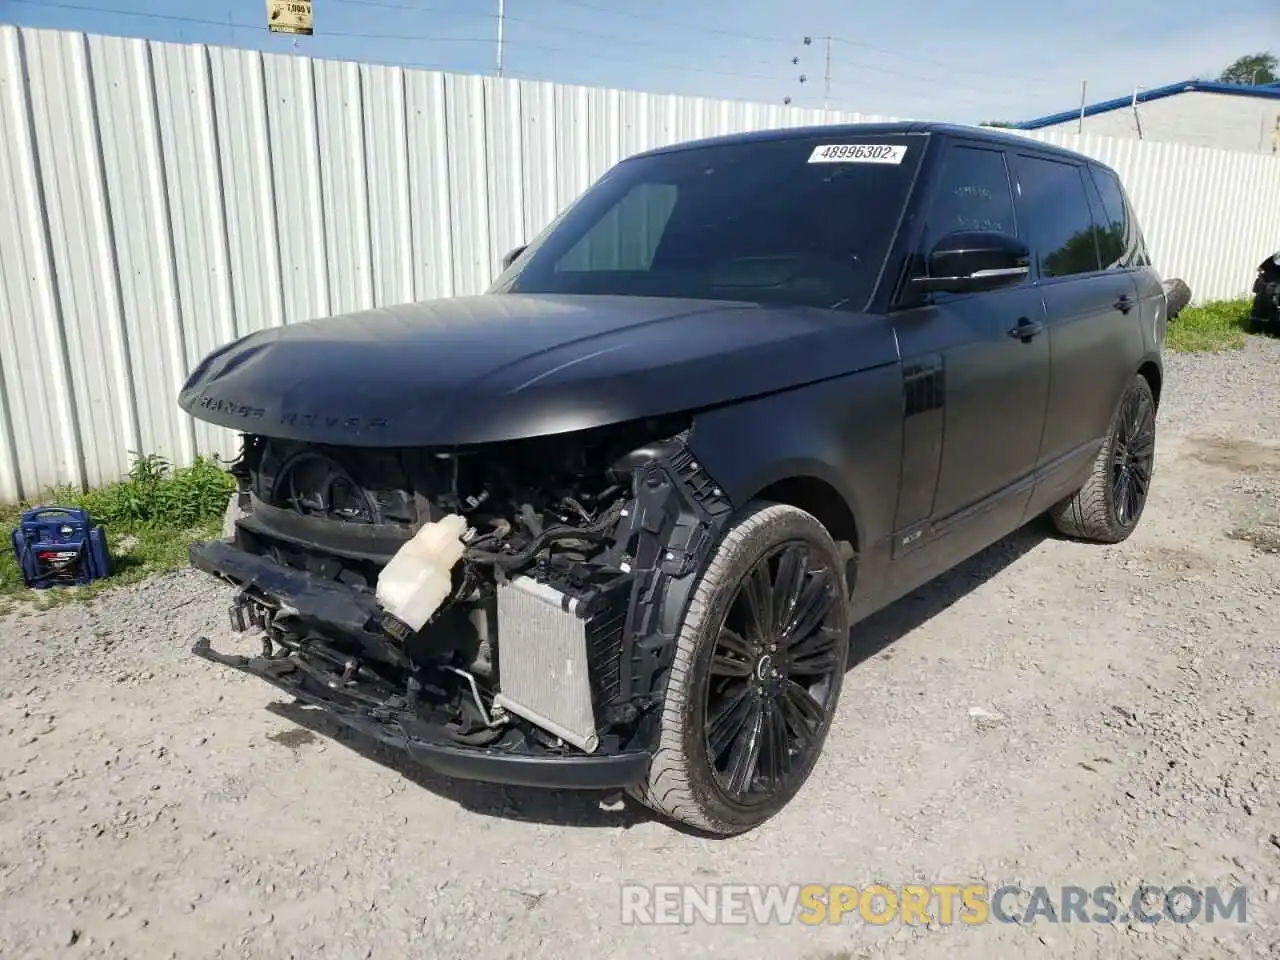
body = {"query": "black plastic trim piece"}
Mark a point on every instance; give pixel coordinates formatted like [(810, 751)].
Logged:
[(602, 771)]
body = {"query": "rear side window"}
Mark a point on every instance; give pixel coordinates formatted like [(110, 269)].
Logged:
[(1058, 220), (973, 193), (1109, 218), (1125, 244), (1140, 256)]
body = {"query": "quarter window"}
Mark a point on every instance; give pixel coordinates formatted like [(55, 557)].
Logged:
[(1113, 234), (1062, 232), (972, 194)]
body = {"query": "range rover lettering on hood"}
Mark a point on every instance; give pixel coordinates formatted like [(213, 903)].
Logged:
[(229, 408)]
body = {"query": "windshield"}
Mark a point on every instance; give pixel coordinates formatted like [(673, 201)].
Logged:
[(804, 222)]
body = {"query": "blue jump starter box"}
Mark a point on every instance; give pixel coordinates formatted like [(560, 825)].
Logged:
[(60, 547)]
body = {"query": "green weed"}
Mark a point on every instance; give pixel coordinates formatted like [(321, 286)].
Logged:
[(1210, 327)]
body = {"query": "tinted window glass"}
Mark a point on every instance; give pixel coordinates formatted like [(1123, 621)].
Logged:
[(972, 194), (1058, 219), (743, 221), (1140, 256), (1113, 237), (626, 237)]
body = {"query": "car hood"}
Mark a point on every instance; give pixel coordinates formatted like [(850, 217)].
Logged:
[(497, 367)]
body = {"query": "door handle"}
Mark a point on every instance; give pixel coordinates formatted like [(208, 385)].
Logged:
[(1026, 329), (1124, 304)]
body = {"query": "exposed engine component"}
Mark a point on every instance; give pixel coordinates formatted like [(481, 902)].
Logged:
[(418, 579), (399, 569)]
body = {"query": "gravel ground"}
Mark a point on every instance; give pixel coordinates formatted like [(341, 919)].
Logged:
[(1126, 727)]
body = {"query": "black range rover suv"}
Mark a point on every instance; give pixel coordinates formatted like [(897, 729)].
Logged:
[(607, 525)]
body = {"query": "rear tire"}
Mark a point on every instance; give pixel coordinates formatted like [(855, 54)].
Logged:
[(1110, 504), (759, 662), (1177, 295)]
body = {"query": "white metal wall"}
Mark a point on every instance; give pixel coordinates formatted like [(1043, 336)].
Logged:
[(157, 200), (1196, 117)]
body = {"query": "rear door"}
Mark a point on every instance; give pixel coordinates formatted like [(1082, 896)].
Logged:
[(1129, 250), (1089, 297)]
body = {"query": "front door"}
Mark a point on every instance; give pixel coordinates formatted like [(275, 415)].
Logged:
[(976, 379)]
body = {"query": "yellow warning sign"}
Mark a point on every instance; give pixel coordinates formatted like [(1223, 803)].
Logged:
[(289, 16)]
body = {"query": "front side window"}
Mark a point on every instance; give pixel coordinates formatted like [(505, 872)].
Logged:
[(1059, 222), (972, 194), (771, 221)]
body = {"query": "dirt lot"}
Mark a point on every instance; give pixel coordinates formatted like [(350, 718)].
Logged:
[(1127, 729)]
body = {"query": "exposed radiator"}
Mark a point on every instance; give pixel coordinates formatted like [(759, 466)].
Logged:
[(543, 666)]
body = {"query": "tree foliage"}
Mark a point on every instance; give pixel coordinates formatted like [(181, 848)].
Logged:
[(1252, 68)]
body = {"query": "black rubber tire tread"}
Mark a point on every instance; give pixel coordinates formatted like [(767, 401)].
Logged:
[(1177, 295), (674, 787), (1090, 513)]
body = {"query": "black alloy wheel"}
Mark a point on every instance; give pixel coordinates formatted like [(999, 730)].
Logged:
[(1133, 456), (1108, 506), (761, 651), (771, 675)]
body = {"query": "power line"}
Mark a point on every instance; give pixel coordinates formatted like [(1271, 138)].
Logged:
[(434, 38), (938, 63), (571, 31), (56, 4), (912, 56), (629, 41)]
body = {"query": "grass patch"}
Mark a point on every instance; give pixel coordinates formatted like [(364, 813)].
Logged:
[(1211, 327), (150, 519)]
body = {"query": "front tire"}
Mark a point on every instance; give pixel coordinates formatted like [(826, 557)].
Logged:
[(1110, 504), (759, 662)]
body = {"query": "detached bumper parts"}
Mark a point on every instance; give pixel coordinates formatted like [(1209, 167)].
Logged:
[(405, 731)]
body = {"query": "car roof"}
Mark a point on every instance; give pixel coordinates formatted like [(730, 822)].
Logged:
[(863, 130)]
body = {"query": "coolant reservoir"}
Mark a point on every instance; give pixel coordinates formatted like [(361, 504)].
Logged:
[(416, 581)]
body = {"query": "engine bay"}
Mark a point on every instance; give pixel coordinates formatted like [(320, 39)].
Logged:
[(549, 634)]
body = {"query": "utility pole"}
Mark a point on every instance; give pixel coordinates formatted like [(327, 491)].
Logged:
[(826, 78), (1084, 85), (502, 16)]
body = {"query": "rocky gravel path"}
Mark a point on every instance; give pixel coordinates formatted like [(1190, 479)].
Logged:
[(1050, 713)]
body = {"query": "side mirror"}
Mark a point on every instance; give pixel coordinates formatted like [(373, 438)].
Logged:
[(510, 258), (970, 261)]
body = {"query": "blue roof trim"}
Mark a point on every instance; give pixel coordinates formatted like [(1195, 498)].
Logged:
[(1266, 91)]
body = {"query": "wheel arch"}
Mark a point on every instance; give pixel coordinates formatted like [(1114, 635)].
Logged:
[(815, 495), (1151, 372)]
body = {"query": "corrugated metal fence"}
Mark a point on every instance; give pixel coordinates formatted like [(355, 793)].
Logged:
[(157, 200)]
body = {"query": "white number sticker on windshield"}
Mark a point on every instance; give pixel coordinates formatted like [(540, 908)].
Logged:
[(857, 153)]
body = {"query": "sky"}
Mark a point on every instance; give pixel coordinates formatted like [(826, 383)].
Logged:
[(969, 62)]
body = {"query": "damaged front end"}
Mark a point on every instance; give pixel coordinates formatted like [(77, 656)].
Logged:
[(503, 612)]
